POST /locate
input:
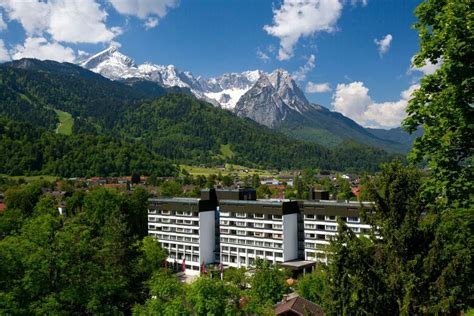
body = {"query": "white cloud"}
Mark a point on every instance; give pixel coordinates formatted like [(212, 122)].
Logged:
[(362, 2), (151, 22), (40, 48), (301, 18), (74, 21), (4, 55), (428, 68), (353, 100), (300, 74), (384, 44), (312, 87), (262, 55), (145, 9), (79, 21), (3, 25)]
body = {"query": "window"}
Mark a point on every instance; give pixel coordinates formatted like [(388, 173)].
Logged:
[(241, 224), (259, 216), (355, 229), (353, 219), (331, 218), (276, 216), (309, 226), (331, 228), (259, 252), (242, 260), (309, 216), (241, 215), (241, 232), (278, 236), (277, 226), (165, 212), (224, 222), (320, 217), (250, 251), (259, 225), (258, 234), (224, 214), (166, 220), (278, 254)]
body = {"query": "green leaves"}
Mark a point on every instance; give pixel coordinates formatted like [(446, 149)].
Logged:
[(443, 104)]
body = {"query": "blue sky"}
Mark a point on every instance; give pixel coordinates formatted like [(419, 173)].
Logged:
[(329, 45)]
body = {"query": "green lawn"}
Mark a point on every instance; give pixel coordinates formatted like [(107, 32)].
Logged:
[(226, 151), (32, 178), (229, 169), (66, 122)]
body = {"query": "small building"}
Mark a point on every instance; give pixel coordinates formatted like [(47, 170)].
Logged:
[(297, 306)]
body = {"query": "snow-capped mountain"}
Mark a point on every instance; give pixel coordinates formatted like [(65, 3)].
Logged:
[(224, 91), (272, 99)]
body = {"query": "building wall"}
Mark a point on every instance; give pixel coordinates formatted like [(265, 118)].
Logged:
[(207, 236), (290, 237), (243, 239)]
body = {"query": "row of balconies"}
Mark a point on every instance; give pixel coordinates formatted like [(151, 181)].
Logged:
[(173, 221), (251, 216), (251, 243), (331, 218), (172, 237), (251, 225), (251, 234), (175, 213)]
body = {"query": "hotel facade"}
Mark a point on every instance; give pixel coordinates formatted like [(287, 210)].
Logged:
[(233, 228)]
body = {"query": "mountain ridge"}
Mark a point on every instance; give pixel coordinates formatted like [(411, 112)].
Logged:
[(111, 118), (283, 106)]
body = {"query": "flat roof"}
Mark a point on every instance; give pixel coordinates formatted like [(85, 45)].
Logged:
[(337, 203), (272, 202), (175, 200), (298, 264)]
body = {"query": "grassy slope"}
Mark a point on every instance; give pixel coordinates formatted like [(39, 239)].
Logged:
[(66, 122)]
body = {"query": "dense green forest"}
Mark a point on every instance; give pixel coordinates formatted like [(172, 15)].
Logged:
[(26, 150), (120, 127)]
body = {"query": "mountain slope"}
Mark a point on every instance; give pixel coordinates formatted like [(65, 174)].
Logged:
[(173, 126), (271, 99)]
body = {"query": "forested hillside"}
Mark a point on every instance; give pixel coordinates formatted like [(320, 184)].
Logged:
[(119, 128)]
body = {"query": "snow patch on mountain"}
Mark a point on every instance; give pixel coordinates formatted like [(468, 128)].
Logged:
[(265, 97)]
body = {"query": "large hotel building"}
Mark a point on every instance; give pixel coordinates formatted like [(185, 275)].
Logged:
[(233, 228)]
